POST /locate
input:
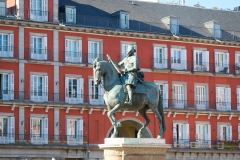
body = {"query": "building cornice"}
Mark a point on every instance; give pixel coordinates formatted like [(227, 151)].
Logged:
[(118, 33)]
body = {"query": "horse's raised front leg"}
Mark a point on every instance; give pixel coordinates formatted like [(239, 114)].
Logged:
[(143, 113), (111, 116)]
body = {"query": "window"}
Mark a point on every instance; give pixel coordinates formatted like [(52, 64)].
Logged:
[(174, 26), (38, 48), (93, 51), (95, 93), (178, 59), (70, 14), (181, 134), (178, 95), (238, 98), (203, 135), (238, 131), (74, 131), (6, 45), (7, 134), (74, 90), (2, 8), (39, 10), (200, 97), (237, 63), (201, 61), (126, 47), (73, 50), (217, 31), (160, 57), (163, 88), (223, 98), (39, 88), (221, 62), (225, 132), (7, 86), (39, 130), (124, 21)]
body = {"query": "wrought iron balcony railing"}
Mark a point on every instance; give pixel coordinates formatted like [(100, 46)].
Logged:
[(38, 15), (40, 54)]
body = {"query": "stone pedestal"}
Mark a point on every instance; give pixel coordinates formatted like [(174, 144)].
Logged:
[(134, 149)]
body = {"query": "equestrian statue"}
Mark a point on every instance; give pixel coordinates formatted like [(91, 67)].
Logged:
[(127, 91)]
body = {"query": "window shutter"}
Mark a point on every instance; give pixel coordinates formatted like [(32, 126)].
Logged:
[(80, 50), (81, 90), (98, 54), (10, 47), (78, 90), (66, 50), (45, 10), (74, 15), (66, 90), (209, 135), (197, 132), (216, 61), (31, 5), (217, 94), (11, 126), (101, 93), (227, 93), (32, 47), (165, 60), (194, 58), (90, 90), (45, 51), (68, 131), (124, 50), (230, 132), (238, 98), (239, 132), (155, 57), (226, 62), (90, 52), (11, 85), (32, 87), (31, 128), (206, 59), (175, 134), (186, 131), (127, 20), (183, 59), (221, 132), (80, 131), (165, 95), (45, 129), (45, 89)]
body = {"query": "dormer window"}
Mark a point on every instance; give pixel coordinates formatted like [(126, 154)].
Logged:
[(174, 26), (2, 8), (217, 30), (70, 14), (124, 20)]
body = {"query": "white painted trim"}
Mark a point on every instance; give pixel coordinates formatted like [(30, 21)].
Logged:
[(6, 71), (39, 73)]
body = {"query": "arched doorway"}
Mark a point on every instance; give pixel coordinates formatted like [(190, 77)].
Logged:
[(129, 129)]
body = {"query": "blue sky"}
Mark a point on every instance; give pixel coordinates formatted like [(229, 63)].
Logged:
[(208, 3)]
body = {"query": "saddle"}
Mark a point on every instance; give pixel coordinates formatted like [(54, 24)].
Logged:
[(140, 88)]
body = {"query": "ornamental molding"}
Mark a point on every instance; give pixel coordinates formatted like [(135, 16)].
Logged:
[(135, 150)]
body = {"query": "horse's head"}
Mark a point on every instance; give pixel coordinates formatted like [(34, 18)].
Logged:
[(97, 71)]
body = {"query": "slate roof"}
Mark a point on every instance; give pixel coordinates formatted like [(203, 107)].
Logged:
[(146, 16)]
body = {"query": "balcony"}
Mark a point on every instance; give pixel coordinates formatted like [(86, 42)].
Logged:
[(38, 15), (49, 140), (40, 54), (9, 52)]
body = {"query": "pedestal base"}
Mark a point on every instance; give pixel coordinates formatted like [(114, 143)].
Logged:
[(134, 149)]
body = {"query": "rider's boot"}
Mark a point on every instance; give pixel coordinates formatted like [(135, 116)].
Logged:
[(130, 94)]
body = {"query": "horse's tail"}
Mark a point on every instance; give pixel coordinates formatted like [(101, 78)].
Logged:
[(160, 110)]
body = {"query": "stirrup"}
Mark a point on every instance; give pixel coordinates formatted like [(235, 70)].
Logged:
[(129, 103)]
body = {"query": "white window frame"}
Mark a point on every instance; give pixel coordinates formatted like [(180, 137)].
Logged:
[(10, 135), (202, 66), (124, 21), (238, 97), (126, 47), (70, 55), (160, 57), (70, 14), (217, 31), (43, 138), (39, 15), (181, 63), (179, 95), (237, 63), (203, 141), (163, 87), (3, 8), (183, 140), (35, 97), (201, 96), (174, 26), (71, 98), (92, 55), (223, 98), (96, 99), (76, 139), (228, 135), (7, 91), (38, 53), (221, 65), (7, 51)]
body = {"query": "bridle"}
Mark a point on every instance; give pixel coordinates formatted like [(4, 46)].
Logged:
[(97, 69)]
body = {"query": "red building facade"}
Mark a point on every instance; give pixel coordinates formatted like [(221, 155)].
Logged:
[(48, 97)]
